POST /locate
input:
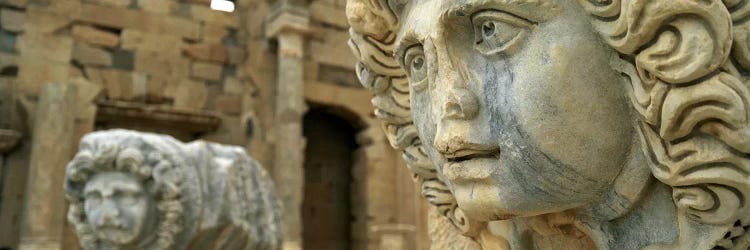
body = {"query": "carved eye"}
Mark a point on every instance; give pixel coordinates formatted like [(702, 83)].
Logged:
[(93, 199), (416, 67), (498, 32), (127, 198)]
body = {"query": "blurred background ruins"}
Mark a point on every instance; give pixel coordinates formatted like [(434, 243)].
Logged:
[(273, 76)]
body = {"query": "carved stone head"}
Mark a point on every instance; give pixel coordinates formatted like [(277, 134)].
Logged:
[(119, 207), (523, 108), (125, 192)]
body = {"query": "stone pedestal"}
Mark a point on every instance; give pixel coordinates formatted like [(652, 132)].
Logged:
[(53, 132), (288, 27)]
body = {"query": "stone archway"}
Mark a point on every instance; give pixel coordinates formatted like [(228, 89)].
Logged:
[(329, 157)]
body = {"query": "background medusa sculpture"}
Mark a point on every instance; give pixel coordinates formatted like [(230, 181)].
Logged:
[(556, 115), (133, 190)]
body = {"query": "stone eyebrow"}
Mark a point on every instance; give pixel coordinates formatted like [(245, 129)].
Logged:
[(535, 11)]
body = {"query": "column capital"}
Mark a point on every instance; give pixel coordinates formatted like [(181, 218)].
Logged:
[(287, 18)]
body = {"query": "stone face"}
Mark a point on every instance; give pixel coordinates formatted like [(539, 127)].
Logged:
[(88, 34), (514, 138), (202, 188)]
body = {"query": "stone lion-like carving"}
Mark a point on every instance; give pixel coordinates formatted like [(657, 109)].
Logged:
[(133, 190), (556, 115)]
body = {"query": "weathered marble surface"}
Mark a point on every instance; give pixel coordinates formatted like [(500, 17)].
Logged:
[(134, 190), (563, 124)]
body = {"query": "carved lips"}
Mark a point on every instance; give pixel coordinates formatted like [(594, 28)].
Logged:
[(471, 164)]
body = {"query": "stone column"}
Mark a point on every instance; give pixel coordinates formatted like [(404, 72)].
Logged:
[(288, 26), (44, 217)]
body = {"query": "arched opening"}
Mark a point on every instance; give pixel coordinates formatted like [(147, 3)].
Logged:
[(329, 157)]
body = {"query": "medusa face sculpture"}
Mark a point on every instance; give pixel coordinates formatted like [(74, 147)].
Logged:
[(521, 108), (125, 192), (119, 207)]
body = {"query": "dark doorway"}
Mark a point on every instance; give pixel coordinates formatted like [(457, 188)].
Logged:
[(328, 161)]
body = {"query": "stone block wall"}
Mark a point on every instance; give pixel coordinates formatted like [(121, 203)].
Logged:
[(176, 55)]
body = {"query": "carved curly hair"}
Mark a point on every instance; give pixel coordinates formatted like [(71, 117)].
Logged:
[(96, 156), (688, 65)]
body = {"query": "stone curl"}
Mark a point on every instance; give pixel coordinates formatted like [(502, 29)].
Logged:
[(692, 101)]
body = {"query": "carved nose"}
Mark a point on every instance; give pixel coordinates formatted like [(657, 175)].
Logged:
[(461, 104), (110, 212)]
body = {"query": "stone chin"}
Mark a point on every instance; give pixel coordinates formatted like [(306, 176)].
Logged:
[(116, 236), (488, 201)]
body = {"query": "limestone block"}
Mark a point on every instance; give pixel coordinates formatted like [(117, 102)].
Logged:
[(87, 92), (213, 33), (156, 89), (190, 94), (8, 60), (16, 3), (329, 14), (207, 71), (207, 52), (140, 20), (114, 3), (12, 20), (333, 50), (119, 84), (32, 73), (67, 8), (233, 86), (56, 48), (215, 17), (90, 55), (201, 2), (236, 55), (40, 20), (88, 34), (215, 196), (229, 104), (162, 63), (142, 41), (158, 6)]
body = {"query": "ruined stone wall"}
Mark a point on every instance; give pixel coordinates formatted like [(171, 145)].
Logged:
[(174, 55)]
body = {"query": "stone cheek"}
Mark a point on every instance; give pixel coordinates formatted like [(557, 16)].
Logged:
[(528, 112)]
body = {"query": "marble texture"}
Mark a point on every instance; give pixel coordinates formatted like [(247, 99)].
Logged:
[(134, 190), (562, 124)]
